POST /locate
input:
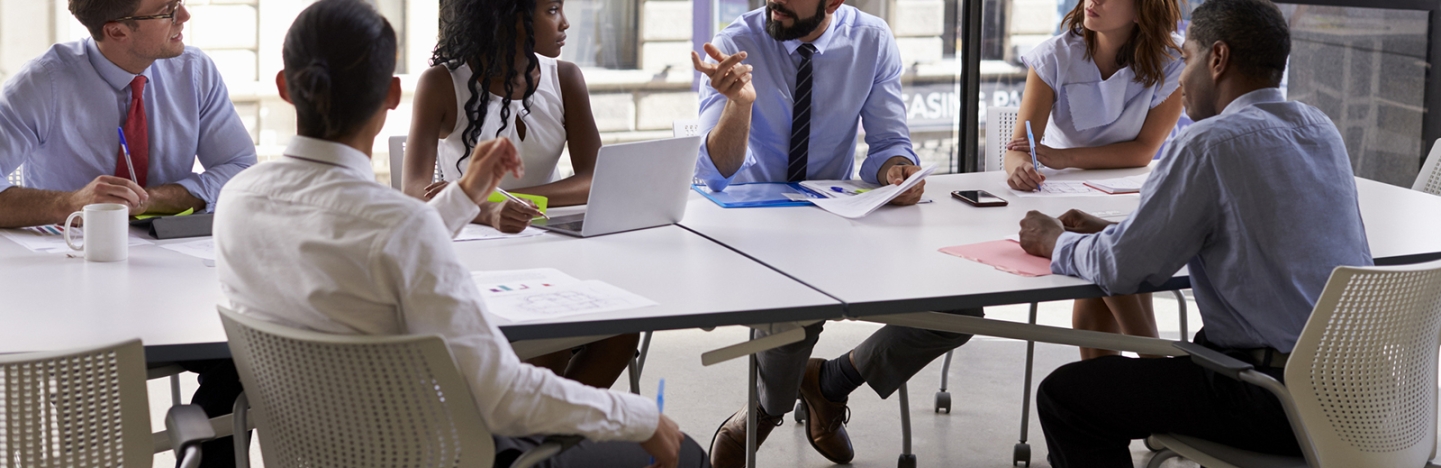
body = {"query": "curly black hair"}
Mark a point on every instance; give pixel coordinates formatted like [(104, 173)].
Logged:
[(482, 34)]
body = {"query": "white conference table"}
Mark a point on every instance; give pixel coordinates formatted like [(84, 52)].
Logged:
[(167, 299), (888, 262)]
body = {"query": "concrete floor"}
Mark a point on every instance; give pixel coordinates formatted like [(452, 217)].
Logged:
[(985, 384)]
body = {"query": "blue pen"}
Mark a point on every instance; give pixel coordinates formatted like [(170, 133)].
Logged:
[(1031, 138), (660, 402), (838, 190), (125, 148)]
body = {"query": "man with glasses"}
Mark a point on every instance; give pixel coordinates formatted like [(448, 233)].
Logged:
[(59, 118), (59, 115)]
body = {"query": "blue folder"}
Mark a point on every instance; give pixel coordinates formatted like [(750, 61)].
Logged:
[(756, 195)]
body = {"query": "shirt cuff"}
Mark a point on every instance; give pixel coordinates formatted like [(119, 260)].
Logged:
[(707, 172), (1062, 255), (192, 185), (871, 167), (641, 418), (455, 207)]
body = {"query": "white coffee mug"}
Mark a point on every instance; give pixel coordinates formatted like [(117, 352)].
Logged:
[(106, 239)]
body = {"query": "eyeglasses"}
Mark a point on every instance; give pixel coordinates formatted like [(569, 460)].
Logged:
[(169, 13)]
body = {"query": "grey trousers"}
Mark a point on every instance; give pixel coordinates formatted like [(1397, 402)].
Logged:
[(887, 359)]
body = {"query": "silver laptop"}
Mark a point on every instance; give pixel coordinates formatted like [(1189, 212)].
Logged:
[(636, 186)]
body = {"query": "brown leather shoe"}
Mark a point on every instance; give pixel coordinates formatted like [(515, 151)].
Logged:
[(728, 446), (826, 420)]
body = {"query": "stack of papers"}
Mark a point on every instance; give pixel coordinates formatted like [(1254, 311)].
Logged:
[(1130, 184), (203, 249), (1005, 255), (51, 238), (546, 293), (864, 203), (1061, 188)]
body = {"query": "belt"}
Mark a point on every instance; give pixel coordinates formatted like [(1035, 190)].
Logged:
[(1268, 357)]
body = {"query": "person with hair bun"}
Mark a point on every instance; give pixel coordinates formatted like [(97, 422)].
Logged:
[(1101, 95), (363, 259), (495, 75)]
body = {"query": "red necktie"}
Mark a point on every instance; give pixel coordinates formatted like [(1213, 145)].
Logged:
[(137, 134)]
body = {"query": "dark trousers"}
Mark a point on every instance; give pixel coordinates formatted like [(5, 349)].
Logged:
[(596, 454), (219, 385), (1091, 410)]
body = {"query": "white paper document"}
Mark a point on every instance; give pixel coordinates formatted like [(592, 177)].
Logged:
[(545, 293), (203, 249), (1061, 188), (474, 232), (51, 238), (864, 203), (1130, 184)]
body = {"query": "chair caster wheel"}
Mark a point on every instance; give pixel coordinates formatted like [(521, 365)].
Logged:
[(907, 461), (943, 402), (1150, 445), (801, 413), (1021, 454)]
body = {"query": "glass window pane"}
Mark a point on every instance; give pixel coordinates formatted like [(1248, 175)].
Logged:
[(604, 33), (1366, 69)]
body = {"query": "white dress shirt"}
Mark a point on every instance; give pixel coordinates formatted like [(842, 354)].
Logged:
[(312, 241)]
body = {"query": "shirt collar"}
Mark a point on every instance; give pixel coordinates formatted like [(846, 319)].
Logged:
[(1260, 96), (821, 43), (329, 152), (109, 71)]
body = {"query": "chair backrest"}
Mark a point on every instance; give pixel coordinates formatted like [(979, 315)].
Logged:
[(397, 162), (1429, 180), (322, 400), (76, 408), (1000, 127), (17, 178), (1363, 374), (685, 128)]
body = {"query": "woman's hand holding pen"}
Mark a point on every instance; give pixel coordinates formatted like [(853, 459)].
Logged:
[(1047, 156)]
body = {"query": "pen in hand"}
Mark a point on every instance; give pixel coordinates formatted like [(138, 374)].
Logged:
[(659, 404), (125, 148), (516, 199)]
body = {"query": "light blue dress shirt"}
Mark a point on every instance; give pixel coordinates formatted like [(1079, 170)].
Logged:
[(1259, 202), (857, 81), (1090, 111), (58, 117)]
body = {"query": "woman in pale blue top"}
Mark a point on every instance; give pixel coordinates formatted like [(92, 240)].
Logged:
[(1101, 95)]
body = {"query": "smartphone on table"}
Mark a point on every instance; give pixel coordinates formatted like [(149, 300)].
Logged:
[(979, 198)]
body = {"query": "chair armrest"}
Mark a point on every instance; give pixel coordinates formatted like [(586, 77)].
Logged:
[(550, 447), (187, 426), (1214, 360)]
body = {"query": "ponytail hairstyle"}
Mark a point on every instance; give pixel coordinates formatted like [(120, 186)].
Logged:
[(482, 34), (1150, 45), (339, 60)]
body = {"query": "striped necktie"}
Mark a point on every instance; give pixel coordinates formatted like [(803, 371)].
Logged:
[(801, 118)]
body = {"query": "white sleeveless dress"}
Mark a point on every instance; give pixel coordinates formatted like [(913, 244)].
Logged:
[(544, 128)]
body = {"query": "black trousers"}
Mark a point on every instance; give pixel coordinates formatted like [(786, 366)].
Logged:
[(1091, 410), (219, 385), (595, 454)]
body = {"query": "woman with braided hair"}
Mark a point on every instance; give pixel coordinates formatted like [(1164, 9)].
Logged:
[(494, 74)]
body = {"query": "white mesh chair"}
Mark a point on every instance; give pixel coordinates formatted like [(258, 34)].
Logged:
[(17, 178), (87, 408), (1429, 180), (322, 400), (397, 163), (1000, 126), (1361, 384)]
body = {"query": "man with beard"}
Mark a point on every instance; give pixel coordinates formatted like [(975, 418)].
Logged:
[(59, 115), (763, 125)]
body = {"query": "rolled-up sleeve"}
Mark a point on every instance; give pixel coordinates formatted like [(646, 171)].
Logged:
[(884, 115), (225, 147), (712, 104), (1178, 212)]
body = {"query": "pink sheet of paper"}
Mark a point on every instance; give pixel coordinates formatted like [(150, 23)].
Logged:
[(1005, 255)]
